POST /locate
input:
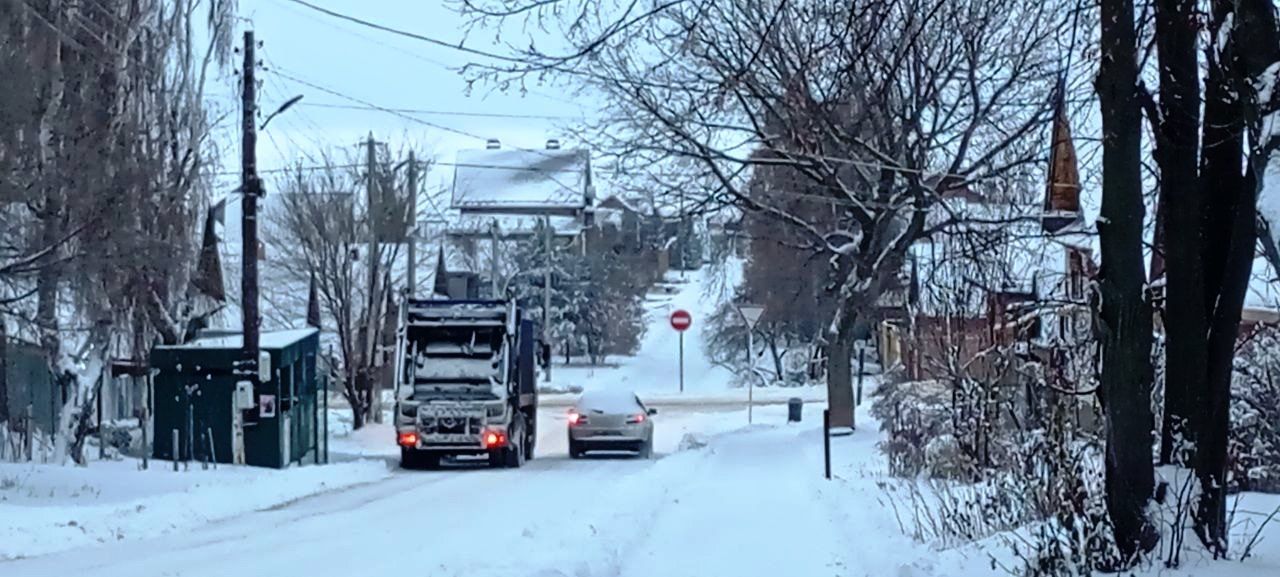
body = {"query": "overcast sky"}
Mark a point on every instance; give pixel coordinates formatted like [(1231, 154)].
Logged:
[(382, 69)]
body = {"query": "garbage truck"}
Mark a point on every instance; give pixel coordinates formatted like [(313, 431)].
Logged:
[(465, 382)]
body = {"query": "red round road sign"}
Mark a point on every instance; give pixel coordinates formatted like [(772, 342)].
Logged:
[(681, 319)]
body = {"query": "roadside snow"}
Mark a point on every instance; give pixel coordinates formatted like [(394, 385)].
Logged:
[(49, 508), (656, 366)]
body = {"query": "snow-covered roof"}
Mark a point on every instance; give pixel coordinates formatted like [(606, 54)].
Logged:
[(507, 180), (997, 248), (268, 340), (511, 224)]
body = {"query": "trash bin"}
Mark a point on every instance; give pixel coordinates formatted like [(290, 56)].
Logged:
[(794, 405)]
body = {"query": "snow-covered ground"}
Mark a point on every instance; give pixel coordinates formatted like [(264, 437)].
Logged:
[(719, 498), (51, 508), (655, 367)]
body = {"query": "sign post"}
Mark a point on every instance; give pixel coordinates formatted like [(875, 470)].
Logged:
[(681, 320), (751, 315)]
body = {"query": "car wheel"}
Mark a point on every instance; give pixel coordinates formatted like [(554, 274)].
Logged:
[(646, 449), (575, 449)]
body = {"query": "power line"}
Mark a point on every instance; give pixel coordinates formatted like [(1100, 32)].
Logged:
[(373, 106), (409, 53), (441, 112), (415, 36)]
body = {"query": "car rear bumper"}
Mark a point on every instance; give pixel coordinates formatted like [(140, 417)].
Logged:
[(613, 444)]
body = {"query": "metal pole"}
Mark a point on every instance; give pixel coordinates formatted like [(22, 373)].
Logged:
[(173, 450), (102, 444), (681, 361), (252, 188), (751, 385), (142, 424), (862, 357), (325, 395), (826, 441), (213, 454), (413, 225)]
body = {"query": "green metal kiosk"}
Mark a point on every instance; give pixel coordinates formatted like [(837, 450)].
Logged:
[(281, 422)]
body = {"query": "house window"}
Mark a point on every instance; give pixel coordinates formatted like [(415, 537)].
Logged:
[(1075, 274)]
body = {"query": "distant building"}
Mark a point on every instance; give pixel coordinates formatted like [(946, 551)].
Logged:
[(501, 195)]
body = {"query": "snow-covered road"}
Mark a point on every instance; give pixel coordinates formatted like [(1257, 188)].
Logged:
[(751, 502)]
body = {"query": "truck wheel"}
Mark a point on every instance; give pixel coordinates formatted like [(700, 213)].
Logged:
[(531, 442), (514, 454), (408, 459)]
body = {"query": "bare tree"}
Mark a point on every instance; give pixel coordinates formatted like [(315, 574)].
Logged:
[(103, 142), (320, 236), (1123, 311), (1211, 173), (878, 106)]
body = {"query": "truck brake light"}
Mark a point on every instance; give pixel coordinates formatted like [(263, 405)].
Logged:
[(494, 439), (408, 439)]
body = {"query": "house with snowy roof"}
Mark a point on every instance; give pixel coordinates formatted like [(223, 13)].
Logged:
[(1005, 274), (503, 195)]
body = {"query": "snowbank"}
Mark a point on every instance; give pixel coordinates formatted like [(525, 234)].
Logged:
[(49, 508)]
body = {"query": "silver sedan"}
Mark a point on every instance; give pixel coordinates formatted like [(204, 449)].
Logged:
[(610, 421)]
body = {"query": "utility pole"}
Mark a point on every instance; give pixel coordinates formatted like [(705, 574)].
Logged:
[(373, 215), (493, 259), (251, 187), (413, 226), (684, 238), (546, 290)]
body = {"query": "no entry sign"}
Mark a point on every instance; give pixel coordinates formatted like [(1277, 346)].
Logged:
[(681, 319)]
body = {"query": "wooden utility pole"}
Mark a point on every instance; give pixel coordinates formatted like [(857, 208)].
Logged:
[(251, 187), (413, 226), (373, 305), (546, 291), (493, 259)]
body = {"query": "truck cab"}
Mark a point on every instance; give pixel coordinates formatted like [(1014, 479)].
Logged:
[(465, 382)]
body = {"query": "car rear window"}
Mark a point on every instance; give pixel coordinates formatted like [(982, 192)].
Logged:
[(608, 402)]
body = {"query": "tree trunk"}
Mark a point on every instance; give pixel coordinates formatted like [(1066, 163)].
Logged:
[(1177, 153), (840, 374), (1228, 217), (777, 356), (1124, 312)]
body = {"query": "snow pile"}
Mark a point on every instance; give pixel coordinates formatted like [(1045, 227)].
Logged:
[(48, 508)]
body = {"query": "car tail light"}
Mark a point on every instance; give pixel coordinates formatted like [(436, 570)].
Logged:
[(639, 418), (494, 439), (577, 419), (409, 439)]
